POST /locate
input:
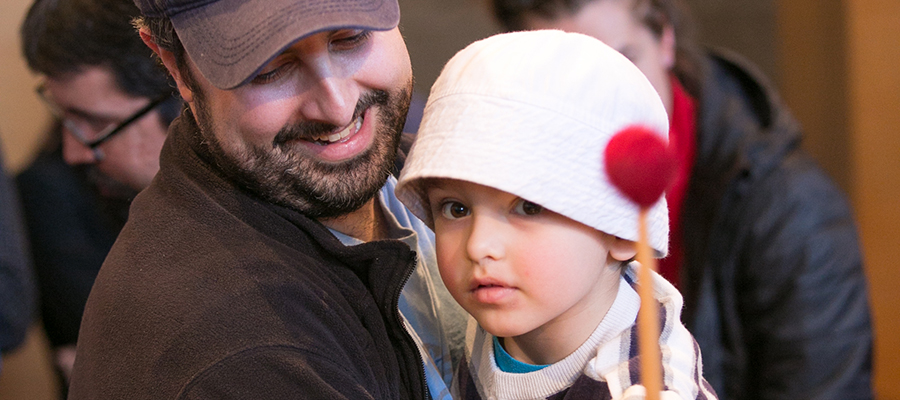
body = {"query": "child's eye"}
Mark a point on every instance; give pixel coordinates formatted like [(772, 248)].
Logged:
[(525, 207), (454, 210)]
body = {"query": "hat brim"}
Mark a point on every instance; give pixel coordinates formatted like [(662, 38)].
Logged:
[(231, 40)]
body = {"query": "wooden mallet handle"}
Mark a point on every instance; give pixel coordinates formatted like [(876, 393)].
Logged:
[(640, 165), (648, 316)]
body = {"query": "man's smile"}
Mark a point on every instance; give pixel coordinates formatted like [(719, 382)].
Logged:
[(352, 128)]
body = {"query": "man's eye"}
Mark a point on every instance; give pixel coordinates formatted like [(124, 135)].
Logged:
[(454, 210), (525, 207), (270, 75), (351, 41)]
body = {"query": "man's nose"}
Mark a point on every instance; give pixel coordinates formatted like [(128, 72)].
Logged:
[(75, 152), (331, 97)]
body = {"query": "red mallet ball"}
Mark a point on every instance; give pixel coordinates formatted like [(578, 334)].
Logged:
[(640, 164)]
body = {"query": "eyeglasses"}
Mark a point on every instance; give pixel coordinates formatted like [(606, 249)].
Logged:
[(91, 131)]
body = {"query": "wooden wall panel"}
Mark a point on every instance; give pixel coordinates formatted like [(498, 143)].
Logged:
[(874, 82), (839, 73), (22, 117)]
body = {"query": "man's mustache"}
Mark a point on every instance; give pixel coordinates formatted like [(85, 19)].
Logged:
[(311, 130)]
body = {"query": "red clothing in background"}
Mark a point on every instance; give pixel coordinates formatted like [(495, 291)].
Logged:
[(682, 138)]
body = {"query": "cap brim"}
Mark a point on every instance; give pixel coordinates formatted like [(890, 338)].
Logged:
[(231, 40)]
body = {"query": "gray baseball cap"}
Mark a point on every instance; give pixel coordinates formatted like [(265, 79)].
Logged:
[(231, 40)]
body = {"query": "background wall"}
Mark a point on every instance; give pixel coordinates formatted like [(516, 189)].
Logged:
[(835, 62), (21, 115), (873, 89), (26, 372)]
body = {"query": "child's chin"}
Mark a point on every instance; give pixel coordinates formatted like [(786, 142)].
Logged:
[(503, 329)]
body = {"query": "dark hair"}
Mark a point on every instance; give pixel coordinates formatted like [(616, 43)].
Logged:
[(654, 14), (61, 37)]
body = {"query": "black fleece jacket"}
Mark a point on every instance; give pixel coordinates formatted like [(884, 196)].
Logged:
[(212, 293)]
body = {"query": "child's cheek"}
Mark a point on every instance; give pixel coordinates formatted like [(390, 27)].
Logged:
[(531, 262), (451, 266)]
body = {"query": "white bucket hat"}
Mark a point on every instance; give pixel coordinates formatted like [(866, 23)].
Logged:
[(530, 113)]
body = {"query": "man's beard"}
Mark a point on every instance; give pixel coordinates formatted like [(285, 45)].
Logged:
[(318, 189)]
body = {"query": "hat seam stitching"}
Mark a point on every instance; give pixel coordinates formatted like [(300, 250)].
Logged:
[(245, 43)]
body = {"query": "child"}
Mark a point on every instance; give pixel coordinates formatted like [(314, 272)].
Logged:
[(532, 239)]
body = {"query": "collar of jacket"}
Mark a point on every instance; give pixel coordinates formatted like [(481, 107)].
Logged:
[(185, 157), (744, 127)]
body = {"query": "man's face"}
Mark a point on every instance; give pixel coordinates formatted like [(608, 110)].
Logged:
[(90, 99), (317, 129), (613, 22)]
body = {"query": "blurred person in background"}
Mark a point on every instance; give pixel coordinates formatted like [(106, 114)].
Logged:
[(16, 290), (763, 245), (112, 104)]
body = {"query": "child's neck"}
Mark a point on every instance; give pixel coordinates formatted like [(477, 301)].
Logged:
[(560, 337)]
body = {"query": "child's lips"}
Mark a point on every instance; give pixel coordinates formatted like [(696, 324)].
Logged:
[(491, 291)]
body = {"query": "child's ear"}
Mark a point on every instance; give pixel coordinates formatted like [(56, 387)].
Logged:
[(621, 249)]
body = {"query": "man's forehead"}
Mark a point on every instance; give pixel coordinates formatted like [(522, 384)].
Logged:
[(93, 79), (91, 92)]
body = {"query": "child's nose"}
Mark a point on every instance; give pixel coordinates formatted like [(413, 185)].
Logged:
[(485, 241)]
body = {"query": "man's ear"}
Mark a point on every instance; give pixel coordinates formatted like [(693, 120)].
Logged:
[(621, 249), (168, 60)]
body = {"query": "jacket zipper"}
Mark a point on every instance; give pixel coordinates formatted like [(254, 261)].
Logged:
[(409, 339)]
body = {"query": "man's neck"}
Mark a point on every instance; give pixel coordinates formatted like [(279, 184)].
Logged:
[(367, 223)]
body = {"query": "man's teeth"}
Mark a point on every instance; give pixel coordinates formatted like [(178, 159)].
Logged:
[(334, 137)]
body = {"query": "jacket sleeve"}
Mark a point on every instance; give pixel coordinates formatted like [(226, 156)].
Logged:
[(802, 296)]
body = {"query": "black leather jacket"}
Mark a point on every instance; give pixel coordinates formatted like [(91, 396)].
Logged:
[(773, 278)]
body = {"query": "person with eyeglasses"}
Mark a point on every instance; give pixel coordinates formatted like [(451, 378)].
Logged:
[(90, 130), (111, 104)]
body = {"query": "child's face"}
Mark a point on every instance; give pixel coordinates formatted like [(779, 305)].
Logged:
[(517, 267)]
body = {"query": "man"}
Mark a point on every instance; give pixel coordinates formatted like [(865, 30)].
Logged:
[(267, 257), (763, 245), (112, 104), (16, 290)]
